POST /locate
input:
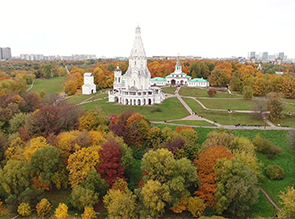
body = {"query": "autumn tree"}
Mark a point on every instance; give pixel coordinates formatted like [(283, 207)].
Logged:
[(34, 145), (89, 213), (204, 165), (110, 166), (24, 209), (165, 173), (81, 162), (61, 212), (32, 101), (154, 197), (43, 207), (92, 120), (288, 202), (120, 204), (237, 187), (218, 138)]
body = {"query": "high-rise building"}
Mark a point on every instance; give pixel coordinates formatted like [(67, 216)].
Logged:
[(5, 53), (281, 55), (251, 54), (264, 56)]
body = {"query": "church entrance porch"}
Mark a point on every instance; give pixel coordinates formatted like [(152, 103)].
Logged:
[(173, 82)]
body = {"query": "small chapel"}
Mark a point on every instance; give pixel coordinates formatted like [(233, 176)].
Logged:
[(88, 87), (134, 87)]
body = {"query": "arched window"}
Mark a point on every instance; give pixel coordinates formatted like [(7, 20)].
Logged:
[(133, 83)]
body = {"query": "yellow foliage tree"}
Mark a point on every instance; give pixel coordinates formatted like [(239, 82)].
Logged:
[(89, 213), (288, 202), (43, 207), (15, 149), (24, 209), (1, 202), (120, 184), (181, 206), (64, 145), (81, 162), (196, 206), (61, 212), (34, 145)]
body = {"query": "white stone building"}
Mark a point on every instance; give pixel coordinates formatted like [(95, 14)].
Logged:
[(133, 88), (179, 78), (89, 87)]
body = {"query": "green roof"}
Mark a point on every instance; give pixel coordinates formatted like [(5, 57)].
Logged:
[(198, 80), (158, 79)]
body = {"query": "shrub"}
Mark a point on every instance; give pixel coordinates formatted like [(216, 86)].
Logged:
[(274, 172), (158, 109), (211, 92)]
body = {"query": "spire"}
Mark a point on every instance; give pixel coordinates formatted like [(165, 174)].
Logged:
[(178, 61), (137, 49)]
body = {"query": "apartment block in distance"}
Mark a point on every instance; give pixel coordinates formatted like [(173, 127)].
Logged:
[(5, 53)]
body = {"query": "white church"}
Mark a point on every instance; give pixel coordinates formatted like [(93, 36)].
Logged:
[(134, 87)]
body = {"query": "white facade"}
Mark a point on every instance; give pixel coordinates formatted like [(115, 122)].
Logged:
[(89, 87), (133, 88)]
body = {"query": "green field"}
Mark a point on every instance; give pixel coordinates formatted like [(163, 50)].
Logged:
[(171, 108), (169, 90), (223, 117), (233, 104), (52, 85), (198, 92), (80, 97)]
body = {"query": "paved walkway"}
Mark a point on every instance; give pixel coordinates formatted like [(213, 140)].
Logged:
[(31, 85), (193, 116)]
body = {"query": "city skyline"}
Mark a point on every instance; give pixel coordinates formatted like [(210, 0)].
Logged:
[(208, 29)]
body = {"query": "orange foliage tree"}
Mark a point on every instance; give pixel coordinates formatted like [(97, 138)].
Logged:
[(204, 165)]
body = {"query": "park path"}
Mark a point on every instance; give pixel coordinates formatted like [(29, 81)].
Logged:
[(31, 86), (270, 200), (193, 115)]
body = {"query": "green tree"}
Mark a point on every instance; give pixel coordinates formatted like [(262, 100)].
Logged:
[(46, 73), (81, 197), (44, 163), (275, 105), (237, 188), (15, 176), (247, 92), (120, 204), (154, 197)]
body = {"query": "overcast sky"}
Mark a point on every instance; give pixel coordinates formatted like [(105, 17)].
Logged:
[(211, 28)]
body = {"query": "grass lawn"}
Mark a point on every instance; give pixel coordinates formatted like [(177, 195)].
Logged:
[(198, 92), (169, 90), (192, 122), (76, 99), (288, 121), (233, 104), (178, 110), (52, 85), (286, 160), (222, 117), (288, 107)]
